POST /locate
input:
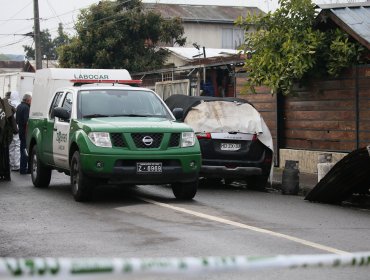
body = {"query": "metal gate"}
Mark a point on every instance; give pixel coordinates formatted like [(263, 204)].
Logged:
[(168, 88)]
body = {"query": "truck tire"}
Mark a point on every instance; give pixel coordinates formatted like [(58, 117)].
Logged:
[(257, 182), (40, 173), (81, 184), (185, 191)]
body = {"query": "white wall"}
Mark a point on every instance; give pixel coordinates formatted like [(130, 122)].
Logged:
[(209, 35)]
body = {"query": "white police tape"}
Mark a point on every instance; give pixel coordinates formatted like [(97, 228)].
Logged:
[(65, 268)]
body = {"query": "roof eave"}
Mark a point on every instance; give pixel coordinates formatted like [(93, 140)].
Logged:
[(341, 5), (346, 28), (209, 21)]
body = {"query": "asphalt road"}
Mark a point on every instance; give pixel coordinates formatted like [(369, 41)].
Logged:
[(146, 221)]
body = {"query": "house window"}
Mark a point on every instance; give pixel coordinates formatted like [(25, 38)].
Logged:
[(232, 38), (167, 77)]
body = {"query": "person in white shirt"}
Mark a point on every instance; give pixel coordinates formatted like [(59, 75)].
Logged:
[(14, 147)]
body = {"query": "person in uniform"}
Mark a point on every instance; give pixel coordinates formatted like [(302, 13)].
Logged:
[(8, 127)]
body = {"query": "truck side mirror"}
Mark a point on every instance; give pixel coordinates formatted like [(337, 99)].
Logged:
[(178, 113), (61, 113)]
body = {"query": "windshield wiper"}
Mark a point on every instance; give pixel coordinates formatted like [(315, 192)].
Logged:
[(95, 116), (129, 115)]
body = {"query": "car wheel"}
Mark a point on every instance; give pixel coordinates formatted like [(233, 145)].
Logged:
[(257, 182), (81, 184), (185, 191), (40, 173)]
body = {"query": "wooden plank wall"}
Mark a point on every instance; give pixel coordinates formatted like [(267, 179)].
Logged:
[(363, 83), (329, 115), (263, 101)]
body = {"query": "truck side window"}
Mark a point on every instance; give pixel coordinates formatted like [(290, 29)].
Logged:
[(67, 103), (55, 103)]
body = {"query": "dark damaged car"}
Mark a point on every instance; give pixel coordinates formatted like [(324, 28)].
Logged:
[(235, 142)]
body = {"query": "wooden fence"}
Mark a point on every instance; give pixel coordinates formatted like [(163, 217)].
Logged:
[(328, 115)]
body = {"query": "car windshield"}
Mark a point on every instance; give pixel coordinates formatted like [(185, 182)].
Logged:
[(102, 103)]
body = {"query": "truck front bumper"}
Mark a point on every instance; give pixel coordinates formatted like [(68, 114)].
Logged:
[(116, 169)]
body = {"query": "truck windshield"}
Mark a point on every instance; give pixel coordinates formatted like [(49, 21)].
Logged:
[(102, 103)]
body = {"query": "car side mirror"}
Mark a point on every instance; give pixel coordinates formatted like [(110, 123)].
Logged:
[(178, 113), (61, 113)]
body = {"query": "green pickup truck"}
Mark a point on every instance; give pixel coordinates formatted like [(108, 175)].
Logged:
[(101, 134)]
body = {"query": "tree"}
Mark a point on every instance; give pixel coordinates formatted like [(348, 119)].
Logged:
[(47, 46), (120, 34), (62, 38), (286, 48)]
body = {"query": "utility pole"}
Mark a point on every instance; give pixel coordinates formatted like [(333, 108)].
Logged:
[(36, 16)]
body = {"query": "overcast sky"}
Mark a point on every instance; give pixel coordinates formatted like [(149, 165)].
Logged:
[(16, 17)]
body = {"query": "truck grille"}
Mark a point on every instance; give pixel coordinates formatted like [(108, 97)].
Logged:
[(117, 140), (147, 140), (174, 140)]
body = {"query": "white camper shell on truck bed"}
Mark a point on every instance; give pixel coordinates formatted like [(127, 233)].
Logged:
[(21, 82), (48, 80)]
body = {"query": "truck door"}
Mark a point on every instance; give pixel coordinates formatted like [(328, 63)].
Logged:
[(48, 131), (61, 135)]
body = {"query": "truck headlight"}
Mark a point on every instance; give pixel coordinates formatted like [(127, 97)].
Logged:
[(100, 139), (187, 139)]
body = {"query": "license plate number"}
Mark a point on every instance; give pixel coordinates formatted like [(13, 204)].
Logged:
[(149, 167), (230, 146)]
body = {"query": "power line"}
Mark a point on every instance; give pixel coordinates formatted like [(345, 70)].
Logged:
[(97, 21), (49, 18), (53, 10), (30, 34), (13, 43), (16, 19), (20, 10)]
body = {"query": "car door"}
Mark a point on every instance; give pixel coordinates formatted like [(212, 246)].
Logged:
[(61, 134), (48, 130)]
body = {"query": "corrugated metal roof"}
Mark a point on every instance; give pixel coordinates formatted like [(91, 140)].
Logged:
[(202, 13), (354, 18), (193, 53)]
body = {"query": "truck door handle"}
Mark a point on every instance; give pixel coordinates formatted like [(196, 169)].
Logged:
[(55, 129)]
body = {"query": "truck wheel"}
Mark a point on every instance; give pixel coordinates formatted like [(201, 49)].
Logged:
[(81, 188), (40, 173), (185, 191), (257, 182)]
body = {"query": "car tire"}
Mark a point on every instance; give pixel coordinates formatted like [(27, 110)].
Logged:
[(80, 183), (185, 191), (40, 173), (257, 182)]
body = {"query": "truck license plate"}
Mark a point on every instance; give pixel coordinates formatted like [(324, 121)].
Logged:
[(149, 167), (230, 146)]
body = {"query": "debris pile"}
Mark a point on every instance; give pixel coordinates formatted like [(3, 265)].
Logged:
[(351, 175)]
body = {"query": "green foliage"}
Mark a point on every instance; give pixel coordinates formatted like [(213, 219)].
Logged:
[(11, 57), (3, 57), (120, 34), (342, 52), (285, 48), (48, 45), (62, 38)]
